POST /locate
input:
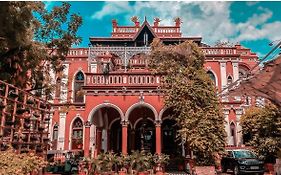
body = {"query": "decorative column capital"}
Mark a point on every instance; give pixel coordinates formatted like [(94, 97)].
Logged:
[(87, 124), (158, 122), (124, 123)]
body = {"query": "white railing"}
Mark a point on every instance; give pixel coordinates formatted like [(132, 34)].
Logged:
[(219, 51), (133, 80)]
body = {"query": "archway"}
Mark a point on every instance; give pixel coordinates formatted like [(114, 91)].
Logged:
[(142, 135), (103, 118), (170, 143)]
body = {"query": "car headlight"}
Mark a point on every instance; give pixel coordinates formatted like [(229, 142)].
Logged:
[(242, 167), (242, 161)]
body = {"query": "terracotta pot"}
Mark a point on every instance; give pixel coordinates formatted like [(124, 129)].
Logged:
[(269, 167), (180, 167), (122, 172), (205, 170), (143, 173), (159, 173)]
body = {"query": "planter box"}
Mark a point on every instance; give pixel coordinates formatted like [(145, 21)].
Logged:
[(205, 170)]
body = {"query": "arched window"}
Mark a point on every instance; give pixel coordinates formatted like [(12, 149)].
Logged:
[(229, 80), (55, 136), (77, 134), (58, 87), (243, 70), (212, 76), (233, 134), (78, 83)]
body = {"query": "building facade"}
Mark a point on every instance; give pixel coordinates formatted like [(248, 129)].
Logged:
[(108, 99)]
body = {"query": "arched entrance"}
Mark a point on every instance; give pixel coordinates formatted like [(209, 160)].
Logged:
[(145, 135), (104, 118), (142, 135), (171, 145), (115, 144), (169, 136)]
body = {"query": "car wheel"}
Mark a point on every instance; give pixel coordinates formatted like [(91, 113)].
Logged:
[(236, 170), (223, 169)]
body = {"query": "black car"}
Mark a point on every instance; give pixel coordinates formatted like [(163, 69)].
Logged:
[(242, 161)]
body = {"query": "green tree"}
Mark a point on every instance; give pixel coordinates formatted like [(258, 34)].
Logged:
[(34, 41), (263, 128), (192, 95)]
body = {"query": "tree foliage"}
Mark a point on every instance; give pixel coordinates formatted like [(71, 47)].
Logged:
[(263, 127), (192, 95), (12, 163), (34, 41)]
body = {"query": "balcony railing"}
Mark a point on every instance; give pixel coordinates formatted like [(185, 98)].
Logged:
[(219, 51), (122, 80)]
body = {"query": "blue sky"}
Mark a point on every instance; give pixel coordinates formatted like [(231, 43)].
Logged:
[(254, 24)]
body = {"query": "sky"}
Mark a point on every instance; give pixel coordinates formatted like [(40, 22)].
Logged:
[(253, 24)]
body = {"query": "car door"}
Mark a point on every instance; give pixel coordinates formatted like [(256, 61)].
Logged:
[(229, 160)]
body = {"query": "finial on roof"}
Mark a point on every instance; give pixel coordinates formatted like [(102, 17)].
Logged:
[(114, 23), (178, 21), (144, 18), (135, 19), (156, 21)]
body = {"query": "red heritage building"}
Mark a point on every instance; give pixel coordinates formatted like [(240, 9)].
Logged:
[(121, 106)]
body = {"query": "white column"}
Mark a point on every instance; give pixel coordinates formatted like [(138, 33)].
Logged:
[(239, 134), (104, 140), (235, 71), (227, 126), (223, 73), (92, 137), (61, 134), (64, 84), (53, 82)]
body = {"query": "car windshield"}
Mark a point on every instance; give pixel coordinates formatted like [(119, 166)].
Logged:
[(244, 154)]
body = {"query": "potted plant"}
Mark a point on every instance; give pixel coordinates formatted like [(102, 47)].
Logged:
[(143, 162), (159, 161), (108, 160), (179, 161), (123, 162)]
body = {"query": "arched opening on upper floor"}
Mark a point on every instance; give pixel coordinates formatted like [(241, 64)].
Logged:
[(229, 80), (232, 134), (79, 81), (243, 70), (213, 77)]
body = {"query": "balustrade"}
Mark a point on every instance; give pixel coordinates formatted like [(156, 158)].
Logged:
[(219, 51), (123, 79)]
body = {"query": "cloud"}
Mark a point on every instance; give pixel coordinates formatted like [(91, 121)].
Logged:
[(112, 8), (252, 3), (211, 20)]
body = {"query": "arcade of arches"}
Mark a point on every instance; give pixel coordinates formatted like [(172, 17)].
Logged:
[(139, 129)]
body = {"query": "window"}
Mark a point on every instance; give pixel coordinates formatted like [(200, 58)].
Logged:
[(55, 132), (229, 80), (55, 136), (232, 133), (58, 87), (77, 134), (212, 76), (78, 83)]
